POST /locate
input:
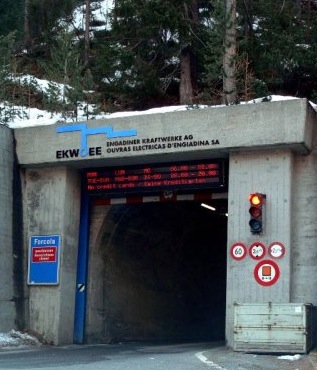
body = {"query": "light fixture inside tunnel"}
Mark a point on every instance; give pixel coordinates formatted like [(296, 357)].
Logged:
[(220, 211), (208, 206)]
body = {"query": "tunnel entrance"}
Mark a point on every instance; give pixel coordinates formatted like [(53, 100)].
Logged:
[(163, 271)]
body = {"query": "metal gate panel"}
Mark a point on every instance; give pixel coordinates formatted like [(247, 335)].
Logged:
[(274, 327)]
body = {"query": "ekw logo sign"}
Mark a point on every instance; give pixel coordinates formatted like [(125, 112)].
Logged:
[(85, 132)]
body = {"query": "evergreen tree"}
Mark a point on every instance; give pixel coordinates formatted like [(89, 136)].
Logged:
[(153, 48), (64, 67), (8, 73), (212, 74), (40, 17), (161, 52), (281, 46), (11, 17)]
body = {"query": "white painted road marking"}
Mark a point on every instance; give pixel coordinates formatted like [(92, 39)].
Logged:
[(209, 363)]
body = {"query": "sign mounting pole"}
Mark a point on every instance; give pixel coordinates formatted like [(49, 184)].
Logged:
[(82, 267)]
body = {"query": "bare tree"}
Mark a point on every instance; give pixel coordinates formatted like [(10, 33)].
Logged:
[(187, 57), (27, 31), (229, 58), (87, 32), (185, 84), (298, 4)]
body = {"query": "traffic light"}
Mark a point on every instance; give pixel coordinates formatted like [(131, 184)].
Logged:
[(256, 212)]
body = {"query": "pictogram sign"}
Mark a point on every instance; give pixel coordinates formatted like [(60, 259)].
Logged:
[(257, 250), (266, 273), (276, 250), (238, 251)]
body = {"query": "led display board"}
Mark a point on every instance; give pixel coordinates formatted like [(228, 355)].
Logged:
[(181, 177)]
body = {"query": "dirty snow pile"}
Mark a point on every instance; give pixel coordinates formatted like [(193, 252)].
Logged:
[(17, 339), (290, 357)]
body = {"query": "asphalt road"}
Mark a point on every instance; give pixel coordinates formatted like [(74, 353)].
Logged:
[(127, 356), (138, 356)]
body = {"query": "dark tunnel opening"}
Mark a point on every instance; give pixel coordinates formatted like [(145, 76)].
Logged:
[(165, 271)]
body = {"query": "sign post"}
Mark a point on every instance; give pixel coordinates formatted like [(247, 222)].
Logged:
[(44, 260)]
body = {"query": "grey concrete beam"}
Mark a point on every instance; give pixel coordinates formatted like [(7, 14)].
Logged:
[(191, 134)]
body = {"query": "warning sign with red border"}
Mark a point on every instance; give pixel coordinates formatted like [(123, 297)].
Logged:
[(238, 251), (266, 273), (276, 250), (257, 250)]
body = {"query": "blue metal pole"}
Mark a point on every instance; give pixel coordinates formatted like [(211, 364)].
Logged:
[(82, 267)]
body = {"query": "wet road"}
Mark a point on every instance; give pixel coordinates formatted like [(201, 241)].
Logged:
[(128, 356), (138, 356)]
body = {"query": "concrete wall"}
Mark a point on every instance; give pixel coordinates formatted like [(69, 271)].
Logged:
[(52, 207), (304, 227), (8, 294), (270, 173), (95, 317)]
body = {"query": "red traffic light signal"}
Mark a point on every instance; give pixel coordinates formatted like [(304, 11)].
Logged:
[(256, 212)]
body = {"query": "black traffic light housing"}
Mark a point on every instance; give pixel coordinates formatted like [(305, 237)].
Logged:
[(257, 201)]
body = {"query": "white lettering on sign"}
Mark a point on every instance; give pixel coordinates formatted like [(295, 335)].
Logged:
[(49, 241), (45, 254)]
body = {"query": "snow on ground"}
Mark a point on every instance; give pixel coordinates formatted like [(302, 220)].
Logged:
[(290, 357), (99, 15), (37, 117), (17, 339)]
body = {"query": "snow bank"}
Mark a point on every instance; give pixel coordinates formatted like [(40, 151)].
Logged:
[(17, 339), (290, 358), (36, 117)]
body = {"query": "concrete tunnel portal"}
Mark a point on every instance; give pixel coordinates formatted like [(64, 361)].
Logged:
[(162, 267), (127, 279)]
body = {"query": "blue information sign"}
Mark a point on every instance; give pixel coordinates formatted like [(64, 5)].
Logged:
[(44, 259)]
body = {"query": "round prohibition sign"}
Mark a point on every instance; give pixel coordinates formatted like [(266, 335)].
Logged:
[(257, 251), (238, 251), (266, 273), (276, 250)]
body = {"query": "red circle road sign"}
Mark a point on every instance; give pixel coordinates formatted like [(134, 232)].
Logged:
[(276, 250), (238, 251), (257, 250), (266, 273)]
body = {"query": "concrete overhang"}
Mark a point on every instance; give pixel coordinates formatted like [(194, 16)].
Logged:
[(192, 134)]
